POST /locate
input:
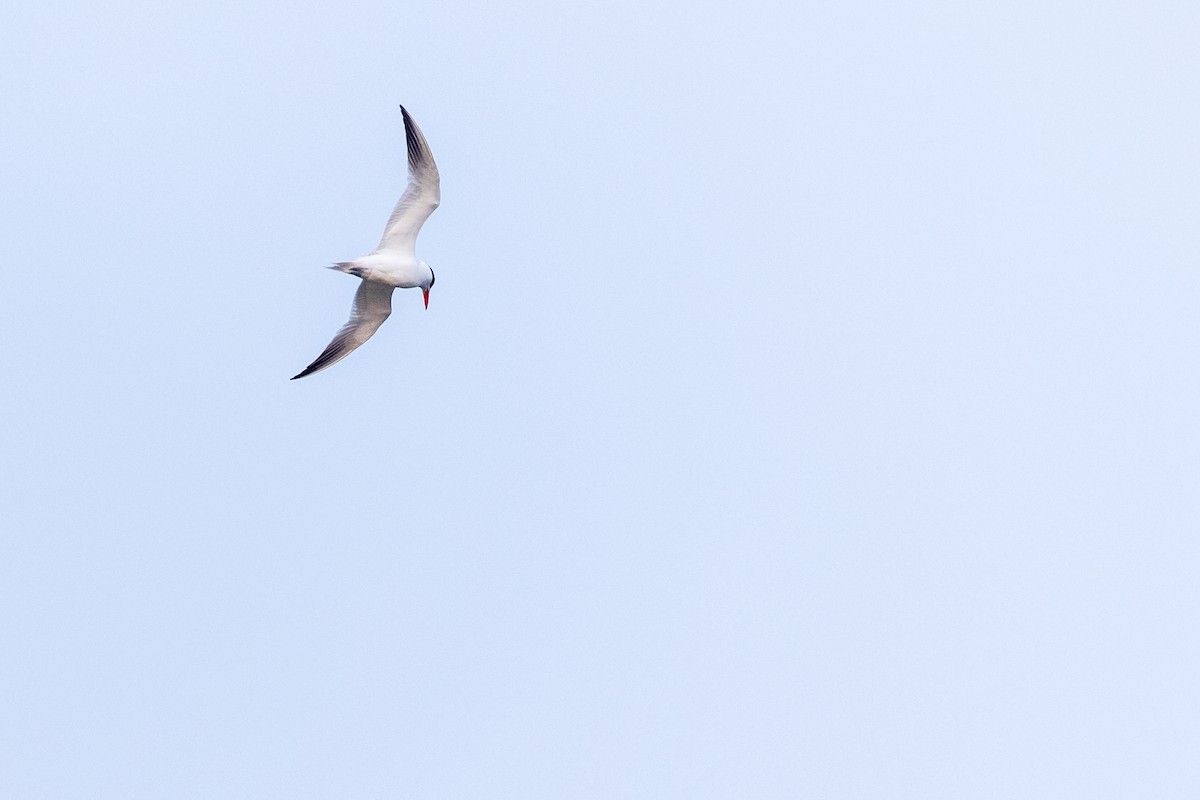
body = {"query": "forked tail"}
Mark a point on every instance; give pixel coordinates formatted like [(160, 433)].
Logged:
[(351, 268)]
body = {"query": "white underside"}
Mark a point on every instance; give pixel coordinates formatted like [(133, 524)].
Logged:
[(400, 270)]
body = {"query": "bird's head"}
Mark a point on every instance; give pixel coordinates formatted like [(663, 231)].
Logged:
[(425, 287)]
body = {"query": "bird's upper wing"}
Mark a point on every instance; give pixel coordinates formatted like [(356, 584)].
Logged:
[(372, 305), (420, 198)]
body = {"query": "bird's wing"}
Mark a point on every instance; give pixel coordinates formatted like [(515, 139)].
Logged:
[(372, 305), (420, 198)]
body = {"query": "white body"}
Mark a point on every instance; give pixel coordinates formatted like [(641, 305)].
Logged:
[(396, 269)]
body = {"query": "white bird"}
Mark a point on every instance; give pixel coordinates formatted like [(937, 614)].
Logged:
[(394, 262)]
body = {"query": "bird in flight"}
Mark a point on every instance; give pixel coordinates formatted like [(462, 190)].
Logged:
[(394, 263)]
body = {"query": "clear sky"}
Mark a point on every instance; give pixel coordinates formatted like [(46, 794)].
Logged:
[(806, 407)]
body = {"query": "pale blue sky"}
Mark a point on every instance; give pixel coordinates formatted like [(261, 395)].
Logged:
[(806, 407)]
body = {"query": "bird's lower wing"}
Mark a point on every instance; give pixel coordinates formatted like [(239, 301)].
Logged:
[(372, 305)]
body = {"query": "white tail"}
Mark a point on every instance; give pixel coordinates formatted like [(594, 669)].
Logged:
[(351, 268)]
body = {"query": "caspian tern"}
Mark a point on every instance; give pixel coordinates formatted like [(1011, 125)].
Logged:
[(394, 262)]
